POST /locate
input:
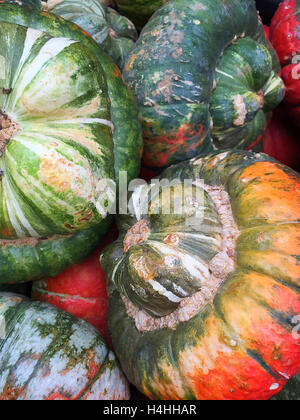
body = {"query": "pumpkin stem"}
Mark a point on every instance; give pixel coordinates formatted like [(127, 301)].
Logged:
[(8, 128)]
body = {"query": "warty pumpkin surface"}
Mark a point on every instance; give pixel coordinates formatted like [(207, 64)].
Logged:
[(46, 354), (60, 139), (205, 78), (284, 35), (202, 304)]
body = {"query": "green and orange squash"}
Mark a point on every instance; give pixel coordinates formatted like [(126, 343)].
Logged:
[(284, 35), (203, 281), (69, 124), (47, 354), (205, 78)]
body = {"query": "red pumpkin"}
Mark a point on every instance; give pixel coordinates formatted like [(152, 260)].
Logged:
[(80, 290), (284, 35), (281, 140)]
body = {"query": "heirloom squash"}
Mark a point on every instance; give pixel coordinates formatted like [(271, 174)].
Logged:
[(115, 33), (284, 35), (205, 78), (203, 301), (61, 97), (46, 354), (80, 290), (139, 11)]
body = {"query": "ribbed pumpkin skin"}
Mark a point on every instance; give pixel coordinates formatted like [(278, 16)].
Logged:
[(47, 354), (240, 345), (284, 35), (115, 33), (205, 78), (139, 11), (30, 260)]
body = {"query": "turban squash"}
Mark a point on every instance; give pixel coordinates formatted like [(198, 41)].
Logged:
[(46, 354), (205, 78), (203, 303), (284, 35), (68, 123)]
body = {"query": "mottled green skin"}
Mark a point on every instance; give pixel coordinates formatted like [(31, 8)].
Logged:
[(192, 60), (139, 11), (115, 33), (164, 363), (127, 152), (49, 257), (46, 354), (124, 112), (291, 392)]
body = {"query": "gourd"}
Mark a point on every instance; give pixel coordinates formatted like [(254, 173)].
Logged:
[(79, 290), (205, 78), (64, 140), (284, 35), (115, 33), (46, 354), (203, 280)]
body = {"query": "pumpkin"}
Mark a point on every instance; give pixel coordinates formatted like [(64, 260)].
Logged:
[(139, 11), (46, 354), (80, 290), (115, 33), (205, 78), (203, 281), (284, 35), (57, 144), (281, 139)]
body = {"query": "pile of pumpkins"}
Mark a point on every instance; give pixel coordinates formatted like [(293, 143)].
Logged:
[(97, 96)]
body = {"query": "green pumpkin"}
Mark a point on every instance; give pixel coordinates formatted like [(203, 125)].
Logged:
[(205, 79), (139, 11), (62, 101), (203, 280), (46, 354), (115, 33)]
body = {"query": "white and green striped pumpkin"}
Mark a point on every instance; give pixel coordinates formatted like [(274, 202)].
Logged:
[(61, 102), (57, 110)]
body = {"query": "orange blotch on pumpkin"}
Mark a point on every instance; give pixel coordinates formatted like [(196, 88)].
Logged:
[(271, 192), (160, 149)]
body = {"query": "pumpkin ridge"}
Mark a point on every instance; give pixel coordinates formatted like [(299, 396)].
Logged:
[(258, 358)]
